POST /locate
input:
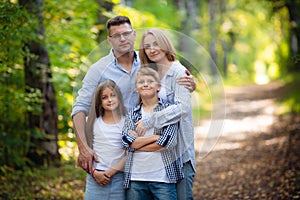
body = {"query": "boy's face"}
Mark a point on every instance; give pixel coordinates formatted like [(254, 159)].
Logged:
[(147, 87)]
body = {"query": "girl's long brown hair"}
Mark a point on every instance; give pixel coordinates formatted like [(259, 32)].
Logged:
[(98, 101)]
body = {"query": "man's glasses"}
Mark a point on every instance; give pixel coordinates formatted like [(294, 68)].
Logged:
[(118, 36)]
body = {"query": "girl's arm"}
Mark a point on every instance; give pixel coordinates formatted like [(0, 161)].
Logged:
[(112, 171), (103, 177)]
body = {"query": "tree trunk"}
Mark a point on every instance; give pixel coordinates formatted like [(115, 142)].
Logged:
[(104, 6), (189, 23), (294, 12), (212, 45), (43, 124)]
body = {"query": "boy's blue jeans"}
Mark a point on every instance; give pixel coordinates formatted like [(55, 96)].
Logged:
[(148, 190)]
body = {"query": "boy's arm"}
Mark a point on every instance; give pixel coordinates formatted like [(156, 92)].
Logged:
[(151, 147), (165, 141), (139, 142)]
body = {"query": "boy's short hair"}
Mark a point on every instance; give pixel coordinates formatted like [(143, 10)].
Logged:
[(147, 71)]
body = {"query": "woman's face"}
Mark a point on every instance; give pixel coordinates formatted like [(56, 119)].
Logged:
[(152, 50), (109, 98)]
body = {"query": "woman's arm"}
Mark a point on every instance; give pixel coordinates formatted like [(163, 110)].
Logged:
[(171, 114)]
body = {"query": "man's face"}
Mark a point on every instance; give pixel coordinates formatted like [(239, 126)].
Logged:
[(121, 38)]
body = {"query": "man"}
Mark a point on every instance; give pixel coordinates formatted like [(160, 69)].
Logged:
[(120, 65)]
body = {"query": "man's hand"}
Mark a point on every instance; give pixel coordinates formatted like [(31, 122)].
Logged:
[(85, 159), (187, 81)]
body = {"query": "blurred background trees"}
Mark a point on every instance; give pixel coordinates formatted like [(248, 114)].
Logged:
[(45, 45)]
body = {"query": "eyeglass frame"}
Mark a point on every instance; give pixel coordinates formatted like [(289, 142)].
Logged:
[(117, 36)]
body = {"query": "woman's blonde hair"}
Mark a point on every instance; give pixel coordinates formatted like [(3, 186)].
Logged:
[(163, 42)]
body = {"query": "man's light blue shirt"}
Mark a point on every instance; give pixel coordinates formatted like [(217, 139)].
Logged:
[(107, 68)]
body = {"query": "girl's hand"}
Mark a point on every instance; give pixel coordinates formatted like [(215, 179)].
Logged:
[(101, 177)]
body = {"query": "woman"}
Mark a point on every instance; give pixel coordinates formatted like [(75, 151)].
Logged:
[(157, 51)]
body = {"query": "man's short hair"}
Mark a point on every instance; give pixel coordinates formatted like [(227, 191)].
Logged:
[(116, 21)]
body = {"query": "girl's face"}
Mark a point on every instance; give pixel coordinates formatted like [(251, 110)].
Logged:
[(152, 50), (110, 101), (147, 86)]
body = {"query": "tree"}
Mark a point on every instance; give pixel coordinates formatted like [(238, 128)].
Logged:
[(42, 124), (293, 7), (104, 6)]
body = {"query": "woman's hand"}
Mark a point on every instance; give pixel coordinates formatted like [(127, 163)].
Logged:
[(140, 128), (187, 81)]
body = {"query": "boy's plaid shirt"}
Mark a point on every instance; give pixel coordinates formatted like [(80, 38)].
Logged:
[(168, 140)]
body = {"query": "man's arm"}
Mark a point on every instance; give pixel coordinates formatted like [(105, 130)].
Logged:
[(80, 110), (86, 154)]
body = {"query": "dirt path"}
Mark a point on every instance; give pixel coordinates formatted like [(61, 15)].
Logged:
[(257, 154)]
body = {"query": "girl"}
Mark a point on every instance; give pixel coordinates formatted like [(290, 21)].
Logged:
[(104, 127)]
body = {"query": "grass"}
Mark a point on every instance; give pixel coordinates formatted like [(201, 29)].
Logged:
[(64, 182)]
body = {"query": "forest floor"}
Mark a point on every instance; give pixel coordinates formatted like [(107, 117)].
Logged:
[(257, 154)]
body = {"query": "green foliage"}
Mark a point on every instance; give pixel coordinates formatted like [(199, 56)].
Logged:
[(290, 99), (151, 9), (16, 28), (257, 43), (70, 37), (64, 182)]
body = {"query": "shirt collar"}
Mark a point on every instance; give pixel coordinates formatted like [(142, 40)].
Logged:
[(139, 106)]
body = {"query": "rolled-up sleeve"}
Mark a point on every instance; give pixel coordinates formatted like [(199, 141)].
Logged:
[(86, 92), (180, 97), (168, 137), (127, 139)]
